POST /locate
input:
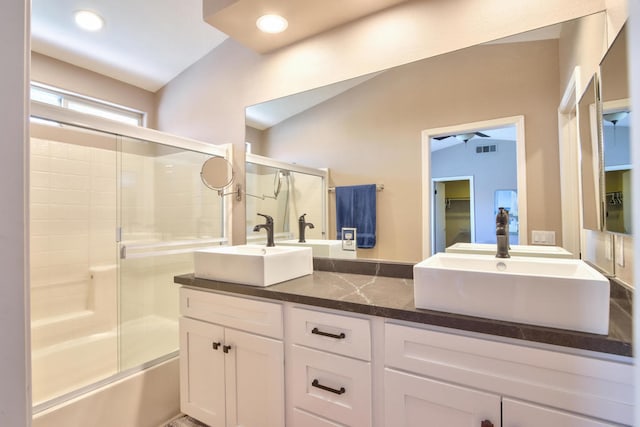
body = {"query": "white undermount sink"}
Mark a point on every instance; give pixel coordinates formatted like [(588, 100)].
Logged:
[(515, 250), (558, 293), (322, 248), (254, 265)]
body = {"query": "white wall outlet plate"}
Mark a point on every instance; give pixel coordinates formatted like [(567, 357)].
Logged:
[(543, 237)]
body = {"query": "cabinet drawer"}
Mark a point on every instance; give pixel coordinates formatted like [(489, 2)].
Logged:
[(332, 386), (411, 400), (594, 387), (521, 414), (349, 336), (259, 317), (304, 419)]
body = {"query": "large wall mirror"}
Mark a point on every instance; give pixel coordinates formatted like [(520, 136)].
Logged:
[(285, 192), (590, 157), (616, 115), (368, 130)]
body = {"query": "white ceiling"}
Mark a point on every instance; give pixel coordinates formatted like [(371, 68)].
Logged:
[(507, 133), (237, 18), (144, 43), (147, 43)]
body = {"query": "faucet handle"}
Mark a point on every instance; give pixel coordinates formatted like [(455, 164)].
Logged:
[(301, 219), (267, 217)]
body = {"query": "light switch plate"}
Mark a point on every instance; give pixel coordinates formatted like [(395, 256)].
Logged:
[(348, 239), (543, 237)]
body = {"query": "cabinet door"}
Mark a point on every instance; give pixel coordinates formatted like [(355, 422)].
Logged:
[(521, 414), (413, 401), (254, 368), (202, 385)]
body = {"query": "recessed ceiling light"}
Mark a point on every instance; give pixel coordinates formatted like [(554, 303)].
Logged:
[(88, 20), (272, 24)]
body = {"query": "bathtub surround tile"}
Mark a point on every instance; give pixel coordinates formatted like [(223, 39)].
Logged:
[(40, 179), (39, 147), (375, 293), (39, 163)]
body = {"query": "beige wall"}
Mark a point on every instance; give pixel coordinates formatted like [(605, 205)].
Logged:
[(63, 75), (15, 369), (372, 133), (582, 45), (207, 101), (255, 137)]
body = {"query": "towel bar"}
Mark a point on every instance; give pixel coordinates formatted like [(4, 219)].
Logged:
[(379, 187)]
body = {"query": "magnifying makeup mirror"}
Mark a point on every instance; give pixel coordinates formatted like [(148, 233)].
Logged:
[(216, 173)]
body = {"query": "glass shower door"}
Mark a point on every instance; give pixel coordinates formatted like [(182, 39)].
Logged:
[(165, 213), (73, 259)]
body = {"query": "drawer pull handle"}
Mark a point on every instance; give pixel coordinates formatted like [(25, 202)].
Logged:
[(327, 334), (226, 348), (317, 384), (486, 423), (215, 345)]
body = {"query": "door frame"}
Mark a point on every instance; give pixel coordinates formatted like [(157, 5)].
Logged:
[(427, 190), (472, 210)]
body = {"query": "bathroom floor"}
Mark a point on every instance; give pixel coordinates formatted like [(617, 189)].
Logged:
[(185, 421)]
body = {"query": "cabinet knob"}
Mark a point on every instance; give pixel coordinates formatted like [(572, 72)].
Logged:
[(317, 331), (215, 345), (226, 348), (486, 423)]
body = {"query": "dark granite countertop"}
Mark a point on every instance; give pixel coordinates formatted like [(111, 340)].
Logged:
[(375, 293)]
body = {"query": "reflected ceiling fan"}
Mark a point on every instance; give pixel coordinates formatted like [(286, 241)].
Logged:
[(464, 137)]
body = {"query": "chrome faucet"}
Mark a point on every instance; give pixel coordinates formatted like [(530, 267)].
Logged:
[(268, 225), (502, 233), (302, 225)]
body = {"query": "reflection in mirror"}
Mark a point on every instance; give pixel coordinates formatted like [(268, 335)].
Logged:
[(216, 173), (285, 192), (590, 157), (472, 174), (616, 117), (369, 129)]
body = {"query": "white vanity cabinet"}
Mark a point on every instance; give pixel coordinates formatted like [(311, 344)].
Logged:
[(232, 360), (256, 363), (454, 380), (329, 378)]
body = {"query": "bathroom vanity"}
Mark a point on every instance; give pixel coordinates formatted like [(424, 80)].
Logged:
[(346, 346)]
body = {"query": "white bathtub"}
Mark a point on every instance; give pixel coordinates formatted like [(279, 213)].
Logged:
[(146, 398), (70, 365), (67, 366)]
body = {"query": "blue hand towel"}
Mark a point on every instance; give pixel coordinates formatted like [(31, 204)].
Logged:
[(356, 207)]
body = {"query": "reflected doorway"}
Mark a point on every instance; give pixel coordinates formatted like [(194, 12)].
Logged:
[(482, 150), (453, 211)]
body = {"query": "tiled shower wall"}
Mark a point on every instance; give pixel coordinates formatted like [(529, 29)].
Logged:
[(73, 220)]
